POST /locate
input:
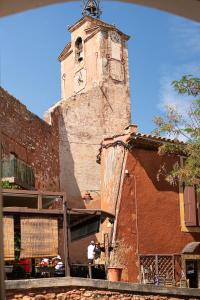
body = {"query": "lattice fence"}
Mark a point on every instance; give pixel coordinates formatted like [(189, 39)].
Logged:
[(166, 266), (161, 267), (148, 268)]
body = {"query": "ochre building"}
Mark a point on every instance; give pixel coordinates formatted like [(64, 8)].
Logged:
[(159, 223)]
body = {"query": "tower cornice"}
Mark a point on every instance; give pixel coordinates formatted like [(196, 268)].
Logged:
[(96, 23), (65, 52)]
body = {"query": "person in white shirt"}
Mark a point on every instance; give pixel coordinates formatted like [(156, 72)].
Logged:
[(90, 252), (59, 266)]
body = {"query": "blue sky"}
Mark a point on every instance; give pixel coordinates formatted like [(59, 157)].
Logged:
[(162, 48)]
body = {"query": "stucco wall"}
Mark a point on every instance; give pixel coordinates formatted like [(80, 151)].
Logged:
[(112, 163), (149, 217), (33, 140)]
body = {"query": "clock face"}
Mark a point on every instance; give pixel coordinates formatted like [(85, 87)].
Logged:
[(80, 80), (115, 37), (116, 70)]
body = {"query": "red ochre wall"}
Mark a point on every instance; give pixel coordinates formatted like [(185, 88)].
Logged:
[(33, 140), (156, 229)]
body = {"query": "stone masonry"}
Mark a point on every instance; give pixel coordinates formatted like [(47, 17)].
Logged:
[(31, 139), (95, 102), (85, 289)]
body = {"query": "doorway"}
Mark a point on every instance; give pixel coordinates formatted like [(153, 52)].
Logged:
[(192, 273)]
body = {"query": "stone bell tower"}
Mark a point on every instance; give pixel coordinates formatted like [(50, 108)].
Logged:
[(95, 101)]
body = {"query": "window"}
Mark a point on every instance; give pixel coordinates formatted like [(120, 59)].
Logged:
[(191, 206), (52, 202), (30, 201), (79, 50)]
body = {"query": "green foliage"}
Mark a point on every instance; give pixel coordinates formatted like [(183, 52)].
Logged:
[(7, 185), (175, 125)]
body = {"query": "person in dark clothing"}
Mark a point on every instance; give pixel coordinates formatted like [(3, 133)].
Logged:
[(97, 253)]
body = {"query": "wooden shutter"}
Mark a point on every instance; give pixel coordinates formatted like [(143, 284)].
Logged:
[(8, 238), (39, 237), (190, 209)]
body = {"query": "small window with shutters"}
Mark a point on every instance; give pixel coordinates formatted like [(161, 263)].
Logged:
[(191, 206)]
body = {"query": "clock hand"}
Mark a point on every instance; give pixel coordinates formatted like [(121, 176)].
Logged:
[(80, 80)]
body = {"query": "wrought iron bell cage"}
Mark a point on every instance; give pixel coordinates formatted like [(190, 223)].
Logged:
[(91, 8)]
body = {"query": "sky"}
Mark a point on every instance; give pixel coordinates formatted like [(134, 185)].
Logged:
[(162, 48)]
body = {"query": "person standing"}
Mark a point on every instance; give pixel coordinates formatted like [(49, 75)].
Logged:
[(90, 256), (90, 252), (97, 253)]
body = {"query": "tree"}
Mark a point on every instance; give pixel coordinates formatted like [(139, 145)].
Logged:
[(177, 126)]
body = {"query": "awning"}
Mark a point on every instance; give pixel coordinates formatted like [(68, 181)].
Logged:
[(79, 215), (191, 248)]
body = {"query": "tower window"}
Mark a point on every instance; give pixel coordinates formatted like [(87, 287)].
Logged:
[(79, 49)]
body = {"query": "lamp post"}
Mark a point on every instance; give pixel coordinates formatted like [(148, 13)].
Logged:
[(2, 287)]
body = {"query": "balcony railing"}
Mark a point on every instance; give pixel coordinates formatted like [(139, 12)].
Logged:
[(18, 172)]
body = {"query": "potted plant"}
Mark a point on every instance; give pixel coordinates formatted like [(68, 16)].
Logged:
[(117, 260)]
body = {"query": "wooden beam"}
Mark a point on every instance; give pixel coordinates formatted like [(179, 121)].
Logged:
[(191, 256), (90, 211), (23, 210), (12, 192), (83, 211), (107, 253), (40, 201), (20, 195), (66, 241)]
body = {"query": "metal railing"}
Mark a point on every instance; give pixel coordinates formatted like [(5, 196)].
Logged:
[(20, 172)]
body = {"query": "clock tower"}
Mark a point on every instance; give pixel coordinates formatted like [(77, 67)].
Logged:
[(95, 101)]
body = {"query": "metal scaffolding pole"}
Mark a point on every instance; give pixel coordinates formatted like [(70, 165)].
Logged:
[(2, 284)]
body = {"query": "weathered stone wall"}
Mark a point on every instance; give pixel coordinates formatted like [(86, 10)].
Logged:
[(81, 294), (94, 103), (33, 140), (83, 121), (85, 289)]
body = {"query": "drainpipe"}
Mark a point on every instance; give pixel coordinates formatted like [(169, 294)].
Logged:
[(118, 198), (136, 223), (2, 287)]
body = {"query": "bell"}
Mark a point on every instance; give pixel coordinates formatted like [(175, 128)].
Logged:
[(91, 8)]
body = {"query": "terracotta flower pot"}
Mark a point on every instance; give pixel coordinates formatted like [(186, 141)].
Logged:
[(114, 273)]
